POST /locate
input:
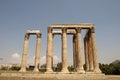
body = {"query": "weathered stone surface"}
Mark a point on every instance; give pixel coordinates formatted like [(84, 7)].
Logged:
[(49, 54), (25, 49), (85, 25), (91, 58)]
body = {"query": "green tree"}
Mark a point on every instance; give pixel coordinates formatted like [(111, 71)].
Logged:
[(112, 68), (59, 67)]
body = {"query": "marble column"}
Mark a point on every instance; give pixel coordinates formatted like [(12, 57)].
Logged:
[(76, 55), (25, 52), (74, 51), (37, 56), (86, 53), (90, 54), (64, 51), (79, 52), (52, 50), (95, 56), (49, 56)]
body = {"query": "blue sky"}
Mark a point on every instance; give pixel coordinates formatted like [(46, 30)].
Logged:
[(18, 16)]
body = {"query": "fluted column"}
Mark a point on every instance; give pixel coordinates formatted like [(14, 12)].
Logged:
[(25, 52), (37, 56), (64, 51), (74, 51), (49, 56), (79, 50), (90, 54), (95, 58), (86, 53)]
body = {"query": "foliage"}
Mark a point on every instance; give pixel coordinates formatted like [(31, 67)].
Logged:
[(4, 68), (58, 67), (71, 68), (15, 68), (110, 68), (42, 70)]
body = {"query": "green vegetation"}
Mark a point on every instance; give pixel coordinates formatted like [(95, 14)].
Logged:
[(112, 68), (109, 69)]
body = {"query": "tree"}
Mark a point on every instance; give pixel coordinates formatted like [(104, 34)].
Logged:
[(112, 68), (59, 67)]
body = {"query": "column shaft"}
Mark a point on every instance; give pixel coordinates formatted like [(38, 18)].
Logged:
[(74, 51), (49, 55), (79, 46), (86, 53), (95, 58), (37, 56), (64, 51), (24, 55), (90, 54)]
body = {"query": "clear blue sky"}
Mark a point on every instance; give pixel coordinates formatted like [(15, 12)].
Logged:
[(17, 16)]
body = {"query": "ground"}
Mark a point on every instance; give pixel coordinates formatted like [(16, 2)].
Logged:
[(111, 77), (41, 76)]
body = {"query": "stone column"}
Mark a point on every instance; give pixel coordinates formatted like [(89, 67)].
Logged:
[(90, 54), (25, 52), (64, 51), (74, 51), (49, 56), (37, 56), (79, 50), (52, 50), (95, 56), (86, 53)]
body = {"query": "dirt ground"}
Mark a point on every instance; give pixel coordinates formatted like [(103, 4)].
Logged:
[(109, 77)]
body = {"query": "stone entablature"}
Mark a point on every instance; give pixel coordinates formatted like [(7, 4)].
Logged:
[(33, 32), (83, 26)]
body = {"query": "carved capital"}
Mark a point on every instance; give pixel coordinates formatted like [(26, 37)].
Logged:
[(78, 30), (64, 30), (92, 30), (26, 36), (38, 35), (50, 30)]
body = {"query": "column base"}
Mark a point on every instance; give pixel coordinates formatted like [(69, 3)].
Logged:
[(49, 71), (22, 70), (64, 71), (81, 71), (97, 71), (36, 70)]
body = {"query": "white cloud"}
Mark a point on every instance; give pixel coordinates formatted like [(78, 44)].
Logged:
[(43, 60), (55, 60), (15, 56), (16, 59)]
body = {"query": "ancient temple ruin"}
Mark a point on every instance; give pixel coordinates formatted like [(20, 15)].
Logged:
[(90, 50), (91, 58)]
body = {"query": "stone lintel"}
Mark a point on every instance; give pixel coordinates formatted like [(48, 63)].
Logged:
[(60, 32), (72, 26), (33, 32)]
